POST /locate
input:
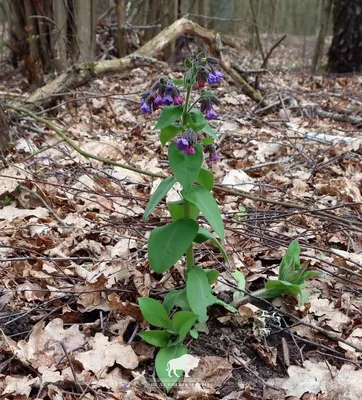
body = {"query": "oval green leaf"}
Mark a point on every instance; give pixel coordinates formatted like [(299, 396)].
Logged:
[(186, 167), (205, 178), (196, 120), (156, 338), (163, 370), (169, 115), (169, 133), (203, 199), (154, 313), (204, 235), (169, 243)]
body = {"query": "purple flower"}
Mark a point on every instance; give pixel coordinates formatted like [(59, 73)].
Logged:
[(182, 144), (146, 108), (218, 76), (167, 100), (190, 150), (211, 79), (213, 157), (214, 77), (211, 114), (211, 149), (169, 87), (178, 100), (158, 100)]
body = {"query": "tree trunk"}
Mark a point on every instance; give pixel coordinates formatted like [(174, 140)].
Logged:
[(345, 53), (203, 10), (4, 135), (33, 61), (121, 25), (85, 20), (58, 36), (326, 9), (152, 17), (169, 9), (17, 34)]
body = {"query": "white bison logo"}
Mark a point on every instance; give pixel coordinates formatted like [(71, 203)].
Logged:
[(185, 363)]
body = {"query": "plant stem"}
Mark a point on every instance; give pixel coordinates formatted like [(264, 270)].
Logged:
[(190, 250), (184, 114)]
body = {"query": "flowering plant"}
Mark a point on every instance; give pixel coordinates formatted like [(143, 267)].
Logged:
[(167, 244)]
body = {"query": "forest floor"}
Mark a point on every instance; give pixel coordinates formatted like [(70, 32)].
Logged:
[(73, 243)]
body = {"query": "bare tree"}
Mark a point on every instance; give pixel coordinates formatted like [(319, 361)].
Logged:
[(85, 38), (121, 24), (345, 55), (326, 7)]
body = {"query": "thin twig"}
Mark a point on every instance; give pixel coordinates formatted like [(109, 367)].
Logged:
[(44, 203)]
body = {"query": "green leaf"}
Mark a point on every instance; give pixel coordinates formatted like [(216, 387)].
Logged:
[(156, 338), (205, 178), (154, 313), (163, 357), (241, 283), (205, 94), (183, 321), (290, 262), (198, 291), (207, 141), (169, 243), (189, 78), (169, 115), (194, 333), (212, 275), (159, 194), (176, 298), (225, 305), (177, 82), (209, 131), (203, 199), (277, 288), (204, 235), (186, 167), (196, 120), (188, 63), (177, 210), (169, 133)]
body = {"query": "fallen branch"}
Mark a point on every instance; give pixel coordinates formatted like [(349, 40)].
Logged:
[(80, 74), (218, 188)]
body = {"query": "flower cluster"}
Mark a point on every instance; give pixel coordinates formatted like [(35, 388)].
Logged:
[(211, 149), (206, 106), (206, 71), (162, 93), (186, 143)]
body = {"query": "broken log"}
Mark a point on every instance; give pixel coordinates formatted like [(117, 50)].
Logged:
[(82, 73)]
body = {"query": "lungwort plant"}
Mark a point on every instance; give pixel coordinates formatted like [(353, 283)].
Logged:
[(186, 129)]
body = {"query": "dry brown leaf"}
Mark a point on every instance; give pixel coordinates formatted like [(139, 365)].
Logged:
[(19, 385), (43, 347), (210, 374), (10, 213), (104, 354), (32, 291), (343, 384)]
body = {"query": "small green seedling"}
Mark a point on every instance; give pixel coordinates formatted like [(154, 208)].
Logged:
[(291, 278)]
